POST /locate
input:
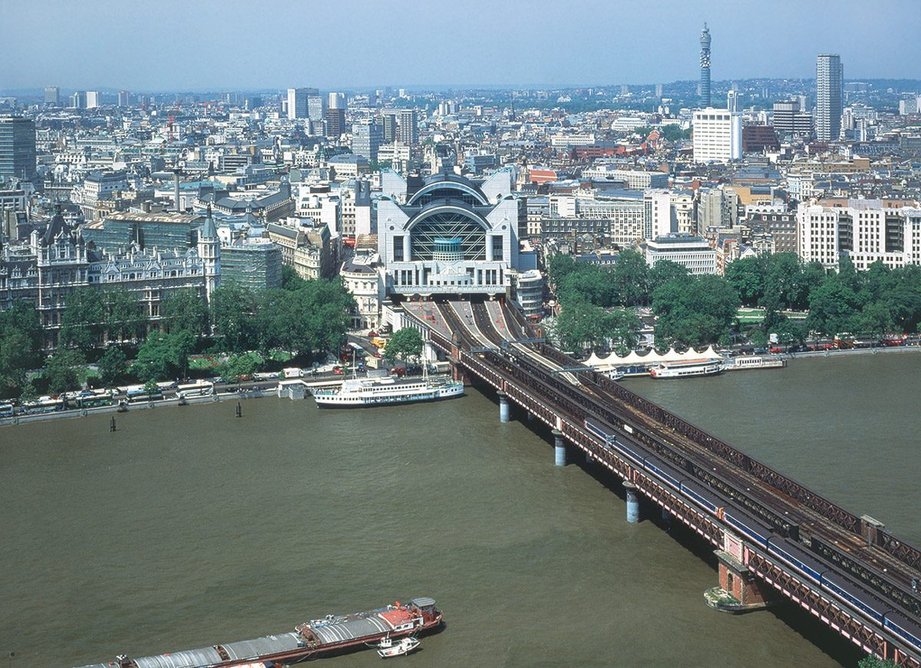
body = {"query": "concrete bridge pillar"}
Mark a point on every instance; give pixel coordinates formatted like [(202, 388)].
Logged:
[(633, 503), (504, 408), (559, 448)]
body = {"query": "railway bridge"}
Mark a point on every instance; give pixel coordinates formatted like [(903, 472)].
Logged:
[(773, 536)]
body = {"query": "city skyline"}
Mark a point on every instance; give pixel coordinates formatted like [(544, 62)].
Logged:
[(359, 44)]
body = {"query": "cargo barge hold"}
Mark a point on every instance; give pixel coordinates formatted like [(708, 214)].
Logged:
[(333, 634)]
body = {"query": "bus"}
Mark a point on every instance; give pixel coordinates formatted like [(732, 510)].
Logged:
[(44, 405), (135, 395), (7, 410), (93, 399), (200, 389)]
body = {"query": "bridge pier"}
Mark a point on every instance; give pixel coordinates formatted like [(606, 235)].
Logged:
[(633, 503), (504, 408), (559, 448), (738, 590)]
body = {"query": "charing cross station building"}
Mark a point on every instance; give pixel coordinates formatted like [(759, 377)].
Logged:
[(448, 235)]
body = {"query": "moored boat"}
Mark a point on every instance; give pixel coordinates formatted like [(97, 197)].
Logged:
[(687, 369), (333, 634), (356, 392), (387, 648)]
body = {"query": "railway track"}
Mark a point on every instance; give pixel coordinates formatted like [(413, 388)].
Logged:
[(879, 569)]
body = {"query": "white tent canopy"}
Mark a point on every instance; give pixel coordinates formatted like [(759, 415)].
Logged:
[(651, 358)]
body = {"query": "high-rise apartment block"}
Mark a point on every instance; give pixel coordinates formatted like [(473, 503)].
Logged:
[(53, 96), (705, 67), (17, 147), (829, 85), (717, 135)]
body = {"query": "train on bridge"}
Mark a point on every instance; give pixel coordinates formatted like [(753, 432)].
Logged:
[(819, 546)]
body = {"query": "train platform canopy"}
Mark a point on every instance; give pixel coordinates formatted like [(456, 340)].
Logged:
[(614, 360)]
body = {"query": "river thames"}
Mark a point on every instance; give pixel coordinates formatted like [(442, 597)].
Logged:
[(188, 527)]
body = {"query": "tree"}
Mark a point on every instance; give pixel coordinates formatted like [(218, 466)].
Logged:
[(124, 316), (694, 311), (290, 279), (871, 661), (405, 344), (233, 309), (60, 371), (580, 325), (559, 267), (237, 366), (163, 356), (832, 307), (664, 271), (630, 278), (84, 319), (112, 366), (184, 310), (748, 277)]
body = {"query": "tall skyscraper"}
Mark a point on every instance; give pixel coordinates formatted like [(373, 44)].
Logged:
[(705, 67), (92, 99), (366, 139), (297, 102), (337, 101), (123, 98), (316, 105), (53, 96), (409, 127), (829, 92), (17, 147)]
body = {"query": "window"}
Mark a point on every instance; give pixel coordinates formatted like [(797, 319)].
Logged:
[(397, 248)]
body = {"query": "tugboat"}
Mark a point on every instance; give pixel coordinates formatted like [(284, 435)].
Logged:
[(387, 649)]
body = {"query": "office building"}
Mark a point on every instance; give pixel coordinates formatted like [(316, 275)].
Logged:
[(366, 139), (93, 99), (829, 93), (717, 135), (866, 230), (78, 100), (693, 253), (123, 98), (389, 125), (52, 96), (297, 103), (409, 127), (337, 101), (316, 105), (335, 122), (705, 67), (252, 263), (17, 147)]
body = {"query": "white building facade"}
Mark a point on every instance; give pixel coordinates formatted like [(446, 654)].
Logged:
[(717, 135), (693, 253)]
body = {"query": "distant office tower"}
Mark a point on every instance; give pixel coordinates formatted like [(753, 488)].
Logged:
[(17, 147), (705, 67), (409, 127), (78, 100), (717, 135), (53, 96), (659, 90), (316, 105), (390, 127), (337, 101), (784, 113), (829, 91), (122, 98), (366, 139), (732, 101), (297, 103), (92, 99), (335, 122)]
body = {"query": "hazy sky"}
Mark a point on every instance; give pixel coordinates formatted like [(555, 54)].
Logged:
[(230, 44)]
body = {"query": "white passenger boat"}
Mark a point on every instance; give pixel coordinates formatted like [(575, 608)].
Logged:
[(387, 648), (356, 392), (687, 369)]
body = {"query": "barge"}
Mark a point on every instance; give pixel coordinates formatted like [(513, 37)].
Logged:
[(333, 634)]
